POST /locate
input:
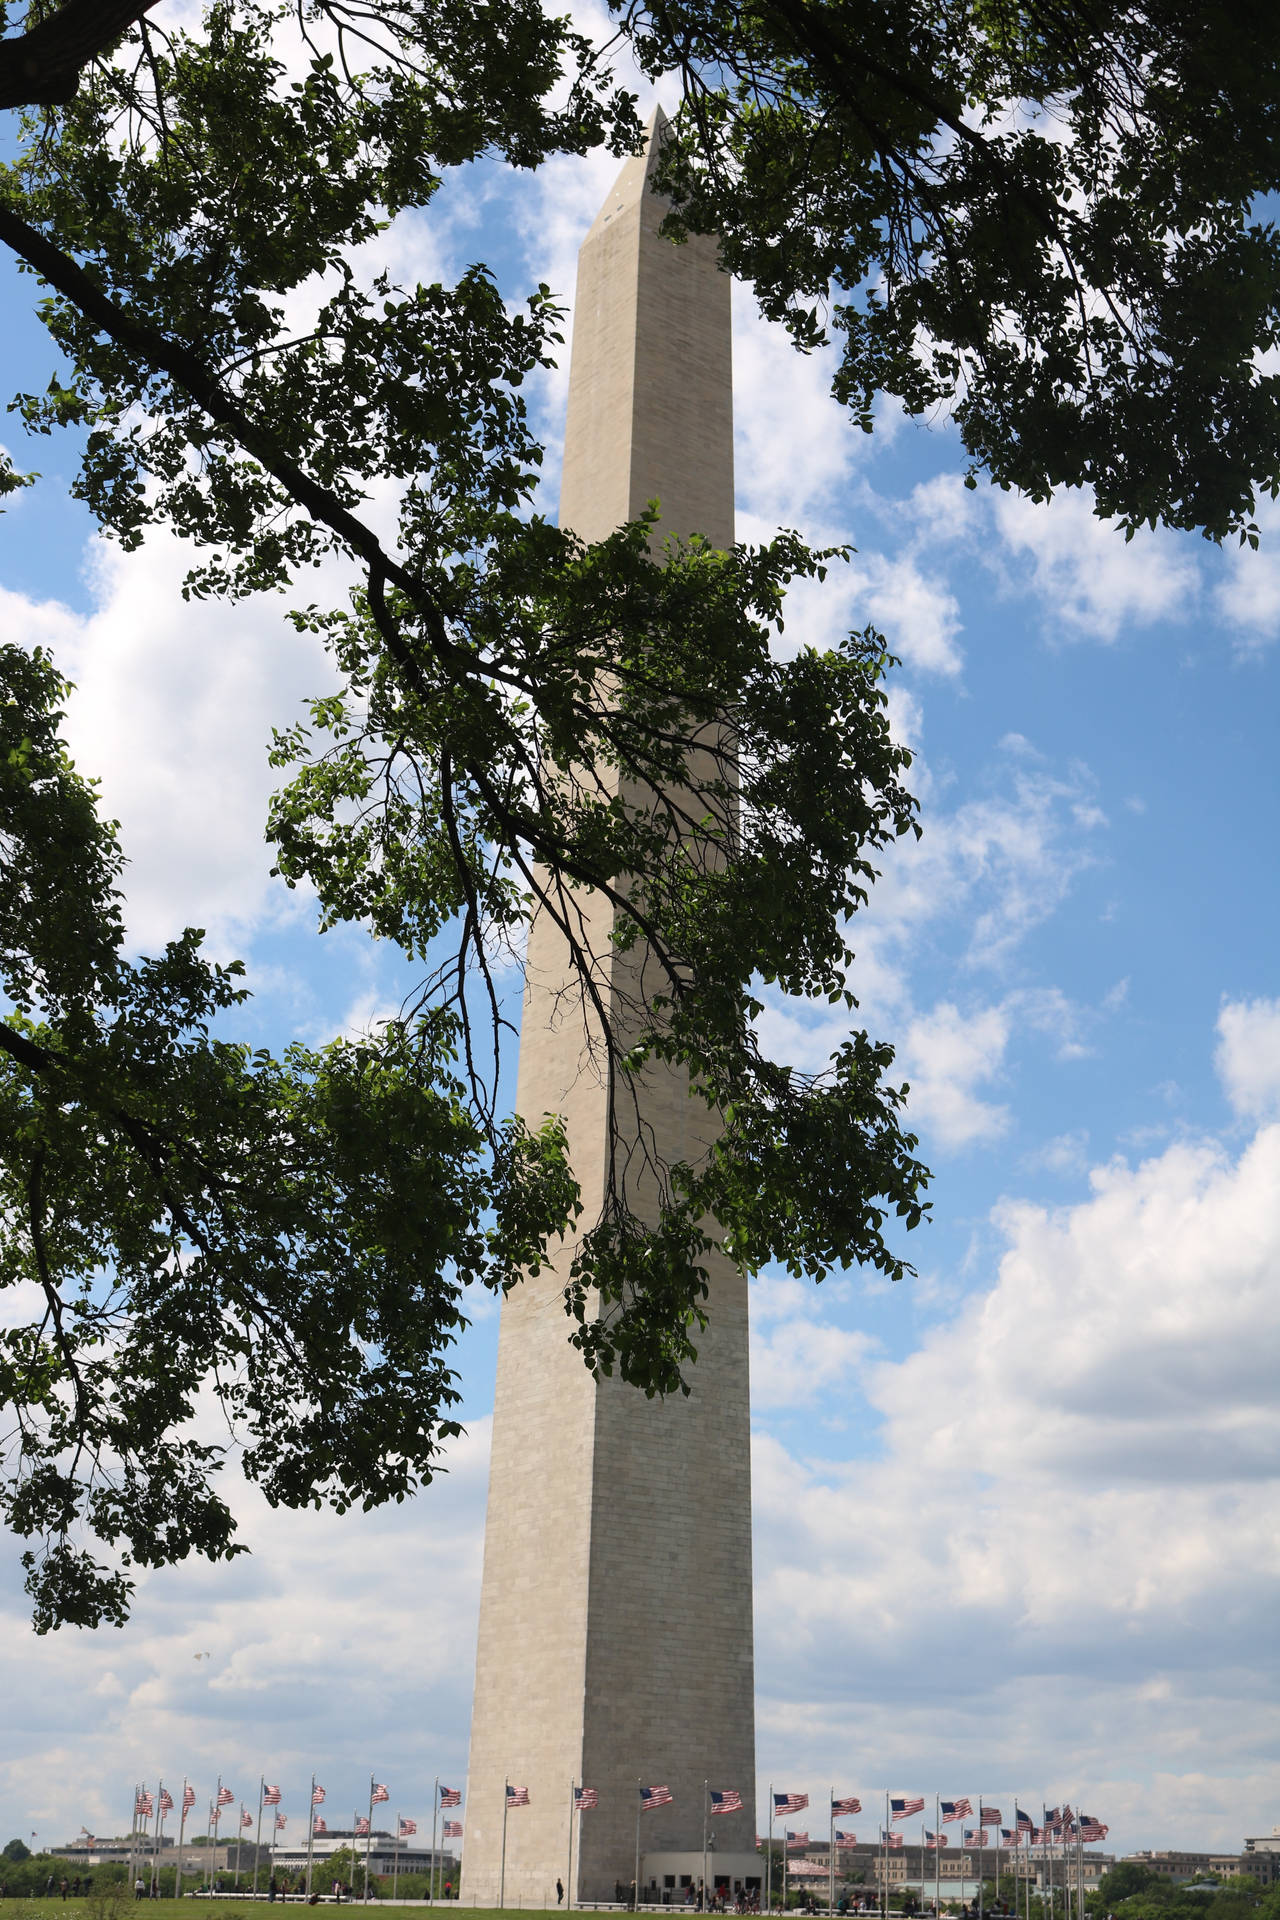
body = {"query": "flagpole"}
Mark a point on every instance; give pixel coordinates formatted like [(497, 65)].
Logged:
[(257, 1845), (395, 1858), (435, 1810), (368, 1840), (706, 1788), (216, 1815), (980, 1833), (937, 1856), (182, 1828), (502, 1874), (154, 1878), (769, 1862), (831, 1850), (568, 1885), (311, 1833), (635, 1884), (884, 1860)]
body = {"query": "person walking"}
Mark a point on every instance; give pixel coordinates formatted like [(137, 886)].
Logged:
[(559, 1892)]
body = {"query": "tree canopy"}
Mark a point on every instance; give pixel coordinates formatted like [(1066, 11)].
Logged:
[(1028, 214)]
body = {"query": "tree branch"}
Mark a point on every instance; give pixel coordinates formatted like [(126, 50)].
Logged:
[(42, 68)]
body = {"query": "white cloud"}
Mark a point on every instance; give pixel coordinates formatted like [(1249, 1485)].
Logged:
[(1058, 1561), (1248, 595), (945, 1056), (1090, 578), (1248, 1055), (173, 710)]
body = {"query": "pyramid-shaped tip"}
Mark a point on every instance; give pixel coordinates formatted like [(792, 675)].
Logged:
[(632, 182)]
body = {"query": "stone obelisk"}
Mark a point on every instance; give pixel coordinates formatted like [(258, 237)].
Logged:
[(615, 1640)]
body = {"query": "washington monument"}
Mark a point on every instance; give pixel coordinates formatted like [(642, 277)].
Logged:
[(615, 1640)]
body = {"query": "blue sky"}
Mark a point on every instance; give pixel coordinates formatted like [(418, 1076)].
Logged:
[(1015, 1520)]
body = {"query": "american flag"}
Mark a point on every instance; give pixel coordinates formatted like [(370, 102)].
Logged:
[(891, 1839), (407, 1827), (956, 1810), (143, 1803), (321, 1826), (317, 1796), (1008, 1837), (1067, 1815), (453, 1829), (270, 1796), (166, 1800), (1053, 1819), (797, 1839), (451, 1796), (246, 1818), (992, 1814), (1037, 1835), (282, 1821), (225, 1797), (846, 1806), (1091, 1830), (586, 1798), (1021, 1819), (935, 1839), (729, 1801), (651, 1797), (517, 1796), (362, 1824), (379, 1793), (846, 1839), (975, 1836), (903, 1809), (790, 1802), (188, 1798)]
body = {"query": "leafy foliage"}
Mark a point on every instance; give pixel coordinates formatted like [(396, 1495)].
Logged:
[(214, 1242), (1045, 218), (1023, 213)]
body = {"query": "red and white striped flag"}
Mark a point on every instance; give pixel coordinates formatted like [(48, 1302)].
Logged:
[(992, 1814), (317, 1796), (790, 1802), (955, 1810), (902, 1809), (143, 1803), (246, 1818), (166, 1800), (362, 1824), (797, 1839), (728, 1801), (450, 1796), (975, 1836), (651, 1797), (517, 1796), (282, 1821), (586, 1799), (188, 1798), (407, 1827), (846, 1839), (321, 1826), (380, 1793), (270, 1796), (846, 1806), (453, 1829), (225, 1797)]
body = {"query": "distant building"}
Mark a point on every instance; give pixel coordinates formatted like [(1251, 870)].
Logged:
[(383, 1854), (1259, 1858)]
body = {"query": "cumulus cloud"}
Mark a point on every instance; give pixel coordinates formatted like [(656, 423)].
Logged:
[(1062, 1552), (173, 711), (1248, 1055), (1089, 577)]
